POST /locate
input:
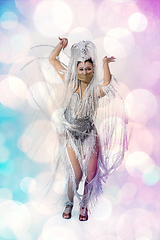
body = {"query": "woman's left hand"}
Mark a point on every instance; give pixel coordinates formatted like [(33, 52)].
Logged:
[(108, 59)]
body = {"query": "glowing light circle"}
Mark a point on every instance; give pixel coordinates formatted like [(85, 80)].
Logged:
[(137, 162), (151, 175), (103, 210), (85, 19), (129, 189), (9, 20), (7, 210), (15, 44), (132, 220), (114, 48), (123, 36), (154, 69), (112, 191), (55, 228), (141, 105), (53, 18), (24, 142), (144, 233), (44, 184), (28, 185), (26, 8), (104, 12), (137, 22), (5, 193), (58, 187), (38, 208), (12, 92), (5, 154), (79, 34), (21, 221), (142, 139)]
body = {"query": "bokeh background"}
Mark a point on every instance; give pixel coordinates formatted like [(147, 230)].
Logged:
[(129, 209)]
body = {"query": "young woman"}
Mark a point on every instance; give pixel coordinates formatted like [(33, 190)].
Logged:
[(83, 157)]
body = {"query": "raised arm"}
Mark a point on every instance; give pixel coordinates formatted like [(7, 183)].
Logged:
[(107, 74), (55, 53)]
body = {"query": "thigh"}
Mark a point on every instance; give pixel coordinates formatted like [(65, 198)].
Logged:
[(93, 162), (75, 163)]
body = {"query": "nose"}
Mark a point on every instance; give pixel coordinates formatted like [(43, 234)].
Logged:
[(84, 71)]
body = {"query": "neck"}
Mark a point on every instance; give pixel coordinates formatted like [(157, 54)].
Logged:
[(83, 85), (82, 88)]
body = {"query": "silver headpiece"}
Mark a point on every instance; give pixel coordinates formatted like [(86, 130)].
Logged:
[(84, 50), (80, 51)]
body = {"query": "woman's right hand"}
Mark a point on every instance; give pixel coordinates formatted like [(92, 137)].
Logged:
[(63, 42)]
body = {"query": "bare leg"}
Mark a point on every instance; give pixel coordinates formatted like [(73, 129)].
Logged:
[(78, 176), (91, 172)]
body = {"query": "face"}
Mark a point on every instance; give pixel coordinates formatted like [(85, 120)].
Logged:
[(88, 68)]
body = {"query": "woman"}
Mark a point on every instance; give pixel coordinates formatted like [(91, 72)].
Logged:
[(83, 158)]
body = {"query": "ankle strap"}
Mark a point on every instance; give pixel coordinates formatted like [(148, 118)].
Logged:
[(69, 203)]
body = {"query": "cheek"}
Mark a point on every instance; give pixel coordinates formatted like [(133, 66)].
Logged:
[(91, 71)]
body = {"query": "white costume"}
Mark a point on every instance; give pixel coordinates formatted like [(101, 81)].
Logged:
[(81, 122)]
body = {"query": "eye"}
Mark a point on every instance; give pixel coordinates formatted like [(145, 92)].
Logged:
[(80, 69), (88, 69)]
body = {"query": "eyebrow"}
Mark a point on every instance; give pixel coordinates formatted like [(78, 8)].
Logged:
[(81, 68)]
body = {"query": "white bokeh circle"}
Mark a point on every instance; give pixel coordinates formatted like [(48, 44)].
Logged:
[(133, 220), (103, 210), (15, 219), (58, 229), (14, 44), (9, 20), (154, 69), (141, 105), (137, 163), (53, 18), (114, 48), (151, 175), (12, 92), (21, 221), (119, 42), (129, 189), (137, 22), (5, 193), (25, 8), (28, 185), (79, 34), (83, 17)]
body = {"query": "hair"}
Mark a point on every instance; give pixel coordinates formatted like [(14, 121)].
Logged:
[(88, 60)]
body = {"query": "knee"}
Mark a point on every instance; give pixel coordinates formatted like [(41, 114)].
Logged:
[(78, 179)]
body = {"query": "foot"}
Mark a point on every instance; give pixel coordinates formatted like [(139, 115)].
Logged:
[(67, 211), (83, 216)]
